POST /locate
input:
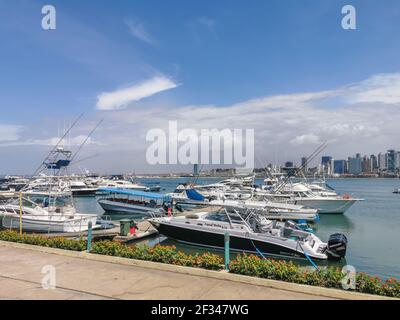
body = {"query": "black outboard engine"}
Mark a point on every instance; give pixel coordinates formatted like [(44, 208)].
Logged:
[(337, 245)]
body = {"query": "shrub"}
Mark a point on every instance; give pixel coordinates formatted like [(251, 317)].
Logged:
[(251, 265), (38, 240), (158, 253)]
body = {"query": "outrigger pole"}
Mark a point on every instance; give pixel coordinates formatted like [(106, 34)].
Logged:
[(87, 138)]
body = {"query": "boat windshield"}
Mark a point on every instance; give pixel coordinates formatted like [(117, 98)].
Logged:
[(222, 216)]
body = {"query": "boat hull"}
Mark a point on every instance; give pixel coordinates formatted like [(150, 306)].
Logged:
[(113, 206), (324, 206), (84, 192), (77, 224)]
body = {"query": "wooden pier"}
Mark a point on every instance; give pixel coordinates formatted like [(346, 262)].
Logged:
[(145, 229)]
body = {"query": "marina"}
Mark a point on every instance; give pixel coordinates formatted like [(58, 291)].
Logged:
[(377, 214), (162, 150)]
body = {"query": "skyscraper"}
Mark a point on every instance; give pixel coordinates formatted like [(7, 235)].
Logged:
[(382, 161), (339, 166), (391, 163), (326, 160), (374, 162), (366, 164), (304, 164), (355, 165)]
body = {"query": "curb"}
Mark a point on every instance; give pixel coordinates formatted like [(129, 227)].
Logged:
[(220, 275)]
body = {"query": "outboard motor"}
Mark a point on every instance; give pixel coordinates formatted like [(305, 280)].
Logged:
[(337, 245)]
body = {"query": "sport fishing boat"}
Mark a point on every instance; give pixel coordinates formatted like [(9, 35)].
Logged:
[(270, 210), (80, 188), (299, 193), (251, 233), (134, 202), (120, 184), (52, 215)]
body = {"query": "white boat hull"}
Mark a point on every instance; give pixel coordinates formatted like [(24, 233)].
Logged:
[(50, 224), (113, 206), (336, 206)]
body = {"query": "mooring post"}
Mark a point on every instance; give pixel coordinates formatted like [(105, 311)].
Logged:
[(227, 253), (89, 237)]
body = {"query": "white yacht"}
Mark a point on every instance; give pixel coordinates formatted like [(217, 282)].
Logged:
[(80, 188), (269, 209), (57, 216), (299, 193), (121, 184)]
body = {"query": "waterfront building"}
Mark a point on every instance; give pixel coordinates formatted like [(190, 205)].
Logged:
[(397, 160), (339, 166), (289, 164), (355, 165), (382, 161), (366, 164), (304, 164), (326, 160), (391, 163), (374, 162), (327, 163)]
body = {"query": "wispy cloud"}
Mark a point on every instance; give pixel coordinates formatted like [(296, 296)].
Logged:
[(9, 132), (138, 30), (207, 22), (121, 98)]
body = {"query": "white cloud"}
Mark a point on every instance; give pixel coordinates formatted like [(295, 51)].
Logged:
[(138, 30), (306, 139), (287, 127), (9, 132), (68, 142), (383, 88), (121, 98)]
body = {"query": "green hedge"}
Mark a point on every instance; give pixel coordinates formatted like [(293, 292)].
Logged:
[(38, 240), (251, 265), (158, 253)]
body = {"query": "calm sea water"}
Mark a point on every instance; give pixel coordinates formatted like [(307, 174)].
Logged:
[(371, 226)]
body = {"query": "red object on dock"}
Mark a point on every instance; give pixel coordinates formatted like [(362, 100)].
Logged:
[(132, 230), (169, 211)]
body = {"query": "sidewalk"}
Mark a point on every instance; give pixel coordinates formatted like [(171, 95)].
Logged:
[(78, 278)]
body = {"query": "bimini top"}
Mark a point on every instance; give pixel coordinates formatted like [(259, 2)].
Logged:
[(135, 193)]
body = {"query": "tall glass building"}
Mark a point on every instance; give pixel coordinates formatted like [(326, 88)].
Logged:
[(339, 166), (391, 160)]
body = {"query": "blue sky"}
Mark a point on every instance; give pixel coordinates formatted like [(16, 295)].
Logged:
[(205, 54)]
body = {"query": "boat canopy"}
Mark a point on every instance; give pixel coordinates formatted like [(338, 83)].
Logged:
[(135, 193)]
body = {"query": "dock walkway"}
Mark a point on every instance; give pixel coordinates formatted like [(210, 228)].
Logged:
[(78, 278)]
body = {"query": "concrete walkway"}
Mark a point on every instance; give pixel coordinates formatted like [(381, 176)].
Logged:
[(77, 278)]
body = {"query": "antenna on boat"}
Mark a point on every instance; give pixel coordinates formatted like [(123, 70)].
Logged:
[(57, 145)]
